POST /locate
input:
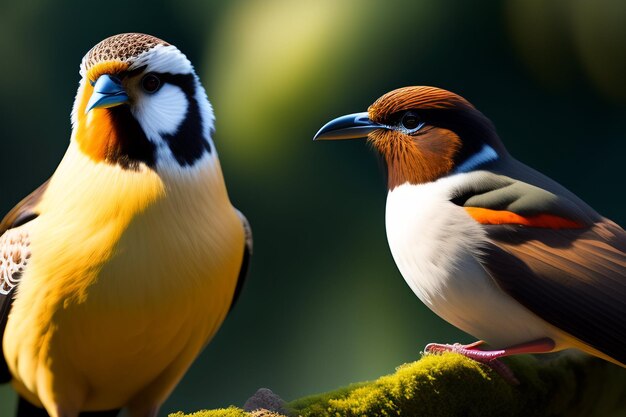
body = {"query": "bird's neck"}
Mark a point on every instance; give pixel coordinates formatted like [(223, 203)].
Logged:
[(480, 143), (85, 192), (92, 193)]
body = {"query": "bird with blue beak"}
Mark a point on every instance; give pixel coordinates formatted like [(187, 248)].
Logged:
[(119, 270), (497, 249)]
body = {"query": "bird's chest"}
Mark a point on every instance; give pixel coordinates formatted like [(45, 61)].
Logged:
[(165, 275), (434, 244), (436, 247), (133, 297)]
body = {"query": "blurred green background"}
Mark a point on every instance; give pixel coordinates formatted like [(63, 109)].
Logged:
[(324, 304)]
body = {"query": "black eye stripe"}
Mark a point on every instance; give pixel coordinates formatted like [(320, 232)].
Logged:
[(185, 82)]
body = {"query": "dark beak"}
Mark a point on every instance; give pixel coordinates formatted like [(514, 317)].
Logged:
[(351, 126)]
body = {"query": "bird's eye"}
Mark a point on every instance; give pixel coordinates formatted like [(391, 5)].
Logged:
[(150, 83), (411, 122)]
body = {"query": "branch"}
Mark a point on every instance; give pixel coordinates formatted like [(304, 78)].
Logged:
[(450, 385)]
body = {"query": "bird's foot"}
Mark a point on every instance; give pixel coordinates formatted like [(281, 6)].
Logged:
[(490, 357), (487, 357)]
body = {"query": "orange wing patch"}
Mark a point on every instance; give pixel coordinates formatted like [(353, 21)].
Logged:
[(548, 221)]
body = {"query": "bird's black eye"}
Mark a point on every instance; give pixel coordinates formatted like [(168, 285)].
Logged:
[(150, 83), (411, 122)]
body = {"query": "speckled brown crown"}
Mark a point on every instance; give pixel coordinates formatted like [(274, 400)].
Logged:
[(122, 47)]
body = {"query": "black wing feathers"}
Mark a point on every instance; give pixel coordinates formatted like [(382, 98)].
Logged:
[(245, 262)]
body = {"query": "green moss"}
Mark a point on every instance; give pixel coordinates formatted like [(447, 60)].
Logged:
[(451, 385), (447, 385), (221, 412)]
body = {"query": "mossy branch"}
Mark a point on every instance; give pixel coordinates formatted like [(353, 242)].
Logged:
[(451, 385)]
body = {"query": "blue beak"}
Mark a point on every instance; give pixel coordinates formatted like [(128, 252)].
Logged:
[(351, 126), (108, 91)]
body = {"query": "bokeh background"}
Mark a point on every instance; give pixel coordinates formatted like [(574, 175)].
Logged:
[(324, 304)]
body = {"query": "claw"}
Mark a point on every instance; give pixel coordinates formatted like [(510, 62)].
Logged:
[(504, 371), (490, 357), (486, 357)]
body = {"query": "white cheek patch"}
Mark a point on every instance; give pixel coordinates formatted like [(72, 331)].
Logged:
[(161, 113)]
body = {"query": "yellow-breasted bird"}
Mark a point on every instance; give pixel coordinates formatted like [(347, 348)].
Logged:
[(497, 249), (119, 269)]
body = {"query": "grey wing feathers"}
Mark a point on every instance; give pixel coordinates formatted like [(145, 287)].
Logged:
[(499, 192), (14, 255), (245, 262), (574, 279)]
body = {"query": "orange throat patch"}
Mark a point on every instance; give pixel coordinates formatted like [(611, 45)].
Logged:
[(416, 159)]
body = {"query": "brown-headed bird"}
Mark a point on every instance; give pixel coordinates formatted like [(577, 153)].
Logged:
[(117, 271), (497, 249)]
